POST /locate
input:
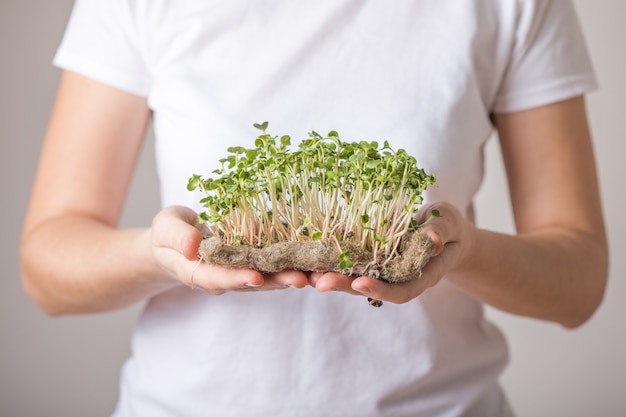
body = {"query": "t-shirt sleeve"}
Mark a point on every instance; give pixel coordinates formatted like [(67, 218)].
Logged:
[(102, 42), (549, 61)]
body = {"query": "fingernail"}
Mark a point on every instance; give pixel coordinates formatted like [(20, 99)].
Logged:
[(250, 285)]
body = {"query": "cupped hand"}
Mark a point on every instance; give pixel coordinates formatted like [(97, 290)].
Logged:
[(175, 238), (452, 235)]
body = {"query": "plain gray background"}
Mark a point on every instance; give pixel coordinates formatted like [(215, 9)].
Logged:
[(69, 366)]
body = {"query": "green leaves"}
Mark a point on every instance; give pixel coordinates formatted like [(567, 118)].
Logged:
[(325, 188), (261, 126), (193, 182), (344, 260)]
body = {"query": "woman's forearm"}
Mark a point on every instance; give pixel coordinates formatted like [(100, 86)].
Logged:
[(555, 274), (75, 264)]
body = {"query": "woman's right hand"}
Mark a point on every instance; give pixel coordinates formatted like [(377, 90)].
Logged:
[(74, 258), (175, 239)]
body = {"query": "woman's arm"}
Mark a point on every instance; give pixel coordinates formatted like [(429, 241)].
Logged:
[(71, 260), (74, 259), (561, 252), (556, 267)]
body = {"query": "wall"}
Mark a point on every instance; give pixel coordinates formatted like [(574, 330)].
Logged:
[(66, 366), (69, 366)]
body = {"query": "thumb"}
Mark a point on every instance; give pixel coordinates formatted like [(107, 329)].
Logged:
[(440, 221), (176, 227)]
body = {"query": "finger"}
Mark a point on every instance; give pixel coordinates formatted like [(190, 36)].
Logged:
[(176, 227), (443, 228), (403, 292), (380, 290), (435, 235), (295, 279), (279, 281), (332, 281), (212, 278)]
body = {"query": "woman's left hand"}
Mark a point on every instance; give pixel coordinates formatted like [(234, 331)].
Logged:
[(452, 235)]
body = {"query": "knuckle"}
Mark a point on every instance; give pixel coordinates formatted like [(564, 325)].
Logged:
[(405, 298), (401, 298)]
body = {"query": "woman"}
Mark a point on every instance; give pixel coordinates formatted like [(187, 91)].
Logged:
[(435, 78)]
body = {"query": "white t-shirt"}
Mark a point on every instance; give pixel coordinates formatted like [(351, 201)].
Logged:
[(424, 75)]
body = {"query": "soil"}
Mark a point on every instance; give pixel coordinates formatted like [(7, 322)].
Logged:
[(321, 256)]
